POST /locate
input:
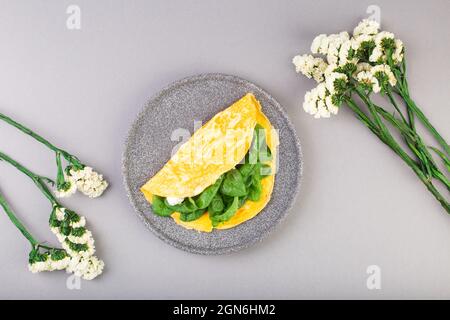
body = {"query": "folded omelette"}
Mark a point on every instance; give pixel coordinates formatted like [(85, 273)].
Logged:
[(223, 175)]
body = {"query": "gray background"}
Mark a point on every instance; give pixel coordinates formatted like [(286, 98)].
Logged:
[(359, 205)]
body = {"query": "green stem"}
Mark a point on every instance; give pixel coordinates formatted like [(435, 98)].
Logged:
[(17, 222), (403, 92), (389, 141), (417, 146), (19, 225), (70, 158), (38, 180)]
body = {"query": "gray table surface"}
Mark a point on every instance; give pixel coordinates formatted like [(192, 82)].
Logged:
[(359, 205)]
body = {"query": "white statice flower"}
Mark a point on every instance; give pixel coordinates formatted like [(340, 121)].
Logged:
[(318, 102), (397, 56), (357, 41), (79, 223), (332, 108), (344, 53), (362, 66), (87, 268), (330, 45), (366, 27), (330, 81), (68, 189), (60, 213), (362, 43), (367, 78), (320, 44), (310, 66), (75, 242), (378, 38), (383, 69), (59, 263), (89, 182), (311, 98), (379, 52), (89, 248), (40, 266), (85, 238), (329, 70), (336, 42)]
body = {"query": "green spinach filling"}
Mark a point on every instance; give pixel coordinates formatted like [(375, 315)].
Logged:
[(233, 188)]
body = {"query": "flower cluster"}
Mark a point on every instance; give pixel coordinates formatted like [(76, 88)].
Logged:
[(311, 67), (67, 188), (85, 180), (77, 242), (89, 182), (54, 259), (362, 58)]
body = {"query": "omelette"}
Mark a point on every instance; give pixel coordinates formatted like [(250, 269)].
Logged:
[(223, 175)]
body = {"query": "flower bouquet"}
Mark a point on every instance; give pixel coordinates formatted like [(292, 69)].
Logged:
[(76, 254), (373, 62)]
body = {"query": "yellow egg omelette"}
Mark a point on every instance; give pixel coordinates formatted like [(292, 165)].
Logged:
[(213, 153)]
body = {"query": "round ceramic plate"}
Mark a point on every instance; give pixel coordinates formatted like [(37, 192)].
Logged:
[(149, 145)]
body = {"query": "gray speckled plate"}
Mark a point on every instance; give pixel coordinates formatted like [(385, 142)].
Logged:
[(148, 147)]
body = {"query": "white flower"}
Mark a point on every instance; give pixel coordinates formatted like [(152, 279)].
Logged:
[(318, 102), (60, 213), (85, 238), (381, 36), (320, 44), (60, 264), (331, 106), (366, 27), (74, 245), (87, 268), (330, 81), (379, 69), (344, 53), (397, 56), (322, 110), (89, 182), (330, 45), (79, 223), (40, 266), (69, 188), (358, 40), (367, 78), (310, 66), (87, 252), (362, 66), (377, 54), (335, 43)]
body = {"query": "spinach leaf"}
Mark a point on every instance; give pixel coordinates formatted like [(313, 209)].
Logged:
[(187, 206), (192, 215), (233, 185), (255, 190), (242, 200), (160, 208), (216, 206), (246, 169), (204, 199), (228, 214)]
